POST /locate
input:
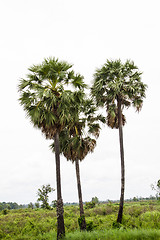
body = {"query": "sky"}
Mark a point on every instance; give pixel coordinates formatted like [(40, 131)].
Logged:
[(84, 33)]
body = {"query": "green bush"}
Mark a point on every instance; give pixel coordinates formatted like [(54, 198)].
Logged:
[(4, 211), (90, 205), (116, 225), (89, 226), (151, 220)]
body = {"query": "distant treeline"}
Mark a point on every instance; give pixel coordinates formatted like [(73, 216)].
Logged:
[(11, 205), (14, 205), (134, 199)]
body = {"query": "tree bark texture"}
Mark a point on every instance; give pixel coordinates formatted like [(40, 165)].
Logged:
[(60, 219), (83, 223), (120, 213)]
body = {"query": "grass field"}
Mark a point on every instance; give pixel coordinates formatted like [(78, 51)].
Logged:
[(141, 220)]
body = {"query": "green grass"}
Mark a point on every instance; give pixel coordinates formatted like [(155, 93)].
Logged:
[(141, 220), (115, 235)]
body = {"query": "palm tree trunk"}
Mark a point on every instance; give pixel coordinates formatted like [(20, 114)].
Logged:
[(60, 219), (82, 217), (120, 213)]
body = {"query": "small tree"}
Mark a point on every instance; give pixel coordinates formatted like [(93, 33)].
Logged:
[(95, 200), (37, 205), (135, 199), (43, 195), (30, 205), (54, 203), (156, 188)]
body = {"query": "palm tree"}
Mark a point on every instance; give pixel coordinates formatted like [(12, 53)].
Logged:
[(51, 108), (75, 146), (115, 87), (75, 149)]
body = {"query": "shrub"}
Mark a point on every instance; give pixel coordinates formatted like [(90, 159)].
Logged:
[(89, 226), (5, 211), (116, 225), (136, 211), (90, 205), (151, 219)]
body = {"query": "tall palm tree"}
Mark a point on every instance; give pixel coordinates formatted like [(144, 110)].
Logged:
[(75, 146), (51, 108), (75, 149), (116, 86)]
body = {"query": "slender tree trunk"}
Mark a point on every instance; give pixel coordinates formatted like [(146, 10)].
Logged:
[(60, 219), (82, 221), (120, 213)]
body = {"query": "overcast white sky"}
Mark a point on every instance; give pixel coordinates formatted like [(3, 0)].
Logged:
[(85, 33)]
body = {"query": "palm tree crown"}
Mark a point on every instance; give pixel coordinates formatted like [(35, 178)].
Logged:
[(75, 140), (48, 104), (116, 81)]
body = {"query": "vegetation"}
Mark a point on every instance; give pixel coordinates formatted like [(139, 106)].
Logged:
[(43, 195), (53, 97), (92, 204), (141, 220), (115, 235), (51, 107), (76, 143), (156, 188), (11, 205), (117, 86)]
